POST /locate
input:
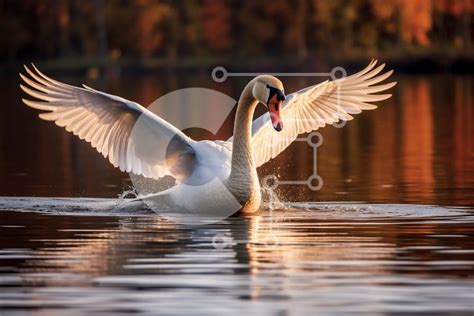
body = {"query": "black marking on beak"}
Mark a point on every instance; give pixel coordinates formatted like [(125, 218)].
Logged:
[(278, 127), (274, 102), (274, 91)]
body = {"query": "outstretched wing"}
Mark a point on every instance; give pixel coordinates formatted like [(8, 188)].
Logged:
[(314, 107), (130, 136)]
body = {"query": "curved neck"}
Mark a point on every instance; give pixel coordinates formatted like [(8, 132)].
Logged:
[(243, 169)]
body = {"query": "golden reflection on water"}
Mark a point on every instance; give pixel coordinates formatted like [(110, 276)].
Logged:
[(315, 256), (278, 253), (415, 148), (417, 142)]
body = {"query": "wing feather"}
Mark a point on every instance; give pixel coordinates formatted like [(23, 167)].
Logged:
[(107, 122), (314, 107)]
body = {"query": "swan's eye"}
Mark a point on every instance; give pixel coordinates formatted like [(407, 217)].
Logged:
[(280, 96)]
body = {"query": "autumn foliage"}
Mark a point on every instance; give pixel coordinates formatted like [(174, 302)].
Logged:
[(50, 29)]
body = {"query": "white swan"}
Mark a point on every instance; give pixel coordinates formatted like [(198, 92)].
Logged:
[(106, 122)]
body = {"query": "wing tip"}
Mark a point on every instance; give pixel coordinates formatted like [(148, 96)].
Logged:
[(22, 87), (34, 67), (45, 116), (38, 105), (22, 76), (30, 103), (392, 84), (386, 96), (88, 88)]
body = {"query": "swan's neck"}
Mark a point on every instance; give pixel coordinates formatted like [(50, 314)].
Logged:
[(243, 179)]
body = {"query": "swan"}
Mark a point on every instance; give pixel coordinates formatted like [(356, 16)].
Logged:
[(210, 175)]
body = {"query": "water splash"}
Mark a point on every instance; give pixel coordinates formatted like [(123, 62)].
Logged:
[(320, 210), (270, 198), (130, 193)]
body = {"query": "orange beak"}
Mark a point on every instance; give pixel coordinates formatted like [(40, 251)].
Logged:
[(274, 107)]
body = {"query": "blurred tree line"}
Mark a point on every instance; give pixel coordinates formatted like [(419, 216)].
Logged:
[(141, 29)]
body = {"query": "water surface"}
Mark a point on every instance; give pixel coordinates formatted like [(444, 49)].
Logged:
[(75, 256), (307, 258)]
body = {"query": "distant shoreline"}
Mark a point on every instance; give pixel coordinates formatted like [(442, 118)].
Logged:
[(414, 64)]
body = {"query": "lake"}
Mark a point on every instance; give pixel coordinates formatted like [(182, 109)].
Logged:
[(390, 231)]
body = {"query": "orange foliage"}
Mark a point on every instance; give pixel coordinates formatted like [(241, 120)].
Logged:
[(150, 15), (291, 28), (414, 18), (216, 25), (415, 21), (385, 12)]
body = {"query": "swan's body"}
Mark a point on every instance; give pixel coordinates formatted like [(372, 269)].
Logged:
[(210, 174)]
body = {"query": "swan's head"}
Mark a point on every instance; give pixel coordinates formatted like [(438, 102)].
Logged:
[(270, 92)]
